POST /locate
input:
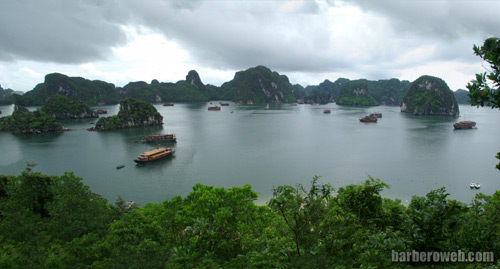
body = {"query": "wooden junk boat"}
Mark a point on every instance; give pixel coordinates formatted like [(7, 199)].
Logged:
[(160, 137), (214, 108), (327, 111), (168, 104), (153, 155), (376, 115), (368, 119), (464, 125)]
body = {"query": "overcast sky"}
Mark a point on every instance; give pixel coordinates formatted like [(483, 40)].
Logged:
[(119, 41)]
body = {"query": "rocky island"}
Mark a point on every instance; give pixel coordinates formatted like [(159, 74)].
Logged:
[(355, 93), (430, 95), (23, 121), (133, 113), (62, 107)]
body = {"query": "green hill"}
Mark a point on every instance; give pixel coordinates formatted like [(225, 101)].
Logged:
[(90, 92), (355, 93), (462, 96), (259, 84), (62, 107), (430, 95)]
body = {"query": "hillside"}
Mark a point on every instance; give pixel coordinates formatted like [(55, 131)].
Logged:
[(355, 93), (6, 96), (62, 107), (90, 92), (190, 90), (22, 121), (259, 84), (462, 96), (430, 95)]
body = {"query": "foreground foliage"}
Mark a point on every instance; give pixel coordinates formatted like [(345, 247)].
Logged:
[(57, 222)]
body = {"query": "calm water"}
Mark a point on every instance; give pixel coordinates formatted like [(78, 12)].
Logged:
[(271, 147)]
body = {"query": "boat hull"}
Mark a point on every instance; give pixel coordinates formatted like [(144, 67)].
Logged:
[(147, 158)]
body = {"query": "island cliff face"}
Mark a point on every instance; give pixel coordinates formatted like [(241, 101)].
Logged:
[(355, 93), (22, 121), (430, 96), (62, 107), (133, 113)]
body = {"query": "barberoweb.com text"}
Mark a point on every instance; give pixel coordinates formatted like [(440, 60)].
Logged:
[(442, 256)]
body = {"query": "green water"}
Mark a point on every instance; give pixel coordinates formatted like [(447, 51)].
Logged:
[(270, 147)]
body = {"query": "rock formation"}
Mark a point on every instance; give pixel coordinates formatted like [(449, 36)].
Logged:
[(430, 96)]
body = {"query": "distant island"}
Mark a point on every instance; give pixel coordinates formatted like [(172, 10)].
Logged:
[(133, 113), (23, 121), (258, 84), (430, 95), (62, 107)]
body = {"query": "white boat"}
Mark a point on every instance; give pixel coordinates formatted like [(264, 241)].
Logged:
[(475, 185)]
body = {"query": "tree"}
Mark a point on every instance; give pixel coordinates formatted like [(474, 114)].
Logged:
[(485, 88)]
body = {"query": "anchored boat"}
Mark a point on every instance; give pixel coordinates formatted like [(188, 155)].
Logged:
[(368, 119), (154, 155), (464, 125), (160, 137)]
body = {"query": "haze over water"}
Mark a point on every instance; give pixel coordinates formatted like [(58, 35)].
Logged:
[(270, 147)]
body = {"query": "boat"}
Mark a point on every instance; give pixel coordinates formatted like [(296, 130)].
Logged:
[(475, 185), (249, 102), (464, 125), (168, 104), (224, 104), (153, 155), (120, 166), (293, 104), (327, 111), (368, 119), (102, 111), (376, 115), (238, 102), (160, 137), (214, 108)]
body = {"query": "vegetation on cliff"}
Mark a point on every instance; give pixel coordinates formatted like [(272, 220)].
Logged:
[(259, 84), (430, 95), (6, 96), (133, 113), (22, 121), (65, 225), (94, 92), (355, 93), (462, 96), (62, 107)]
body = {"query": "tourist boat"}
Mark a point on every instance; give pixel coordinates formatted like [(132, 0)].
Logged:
[(153, 155), (475, 185), (224, 104), (160, 137), (249, 102), (120, 166), (368, 119), (293, 104), (214, 108), (102, 111), (238, 102), (168, 104), (464, 125), (376, 115), (327, 111)]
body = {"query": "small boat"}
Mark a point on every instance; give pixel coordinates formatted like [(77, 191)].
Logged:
[(293, 104), (368, 119), (327, 111), (168, 104), (475, 185), (464, 125), (238, 102), (214, 108), (300, 103), (160, 137), (249, 102), (224, 104), (153, 155), (102, 111), (120, 166), (376, 115)]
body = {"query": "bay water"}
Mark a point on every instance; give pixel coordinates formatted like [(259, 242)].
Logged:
[(270, 146)]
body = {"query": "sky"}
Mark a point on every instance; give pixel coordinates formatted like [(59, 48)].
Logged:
[(121, 41)]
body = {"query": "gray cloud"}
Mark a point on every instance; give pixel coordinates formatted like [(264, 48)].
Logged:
[(58, 31)]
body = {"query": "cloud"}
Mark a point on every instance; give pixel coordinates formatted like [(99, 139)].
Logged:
[(58, 31)]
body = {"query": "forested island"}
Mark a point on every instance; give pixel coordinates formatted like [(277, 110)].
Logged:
[(66, 225), (23, 121), (430, 95), (258, 84), (133, 113)]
